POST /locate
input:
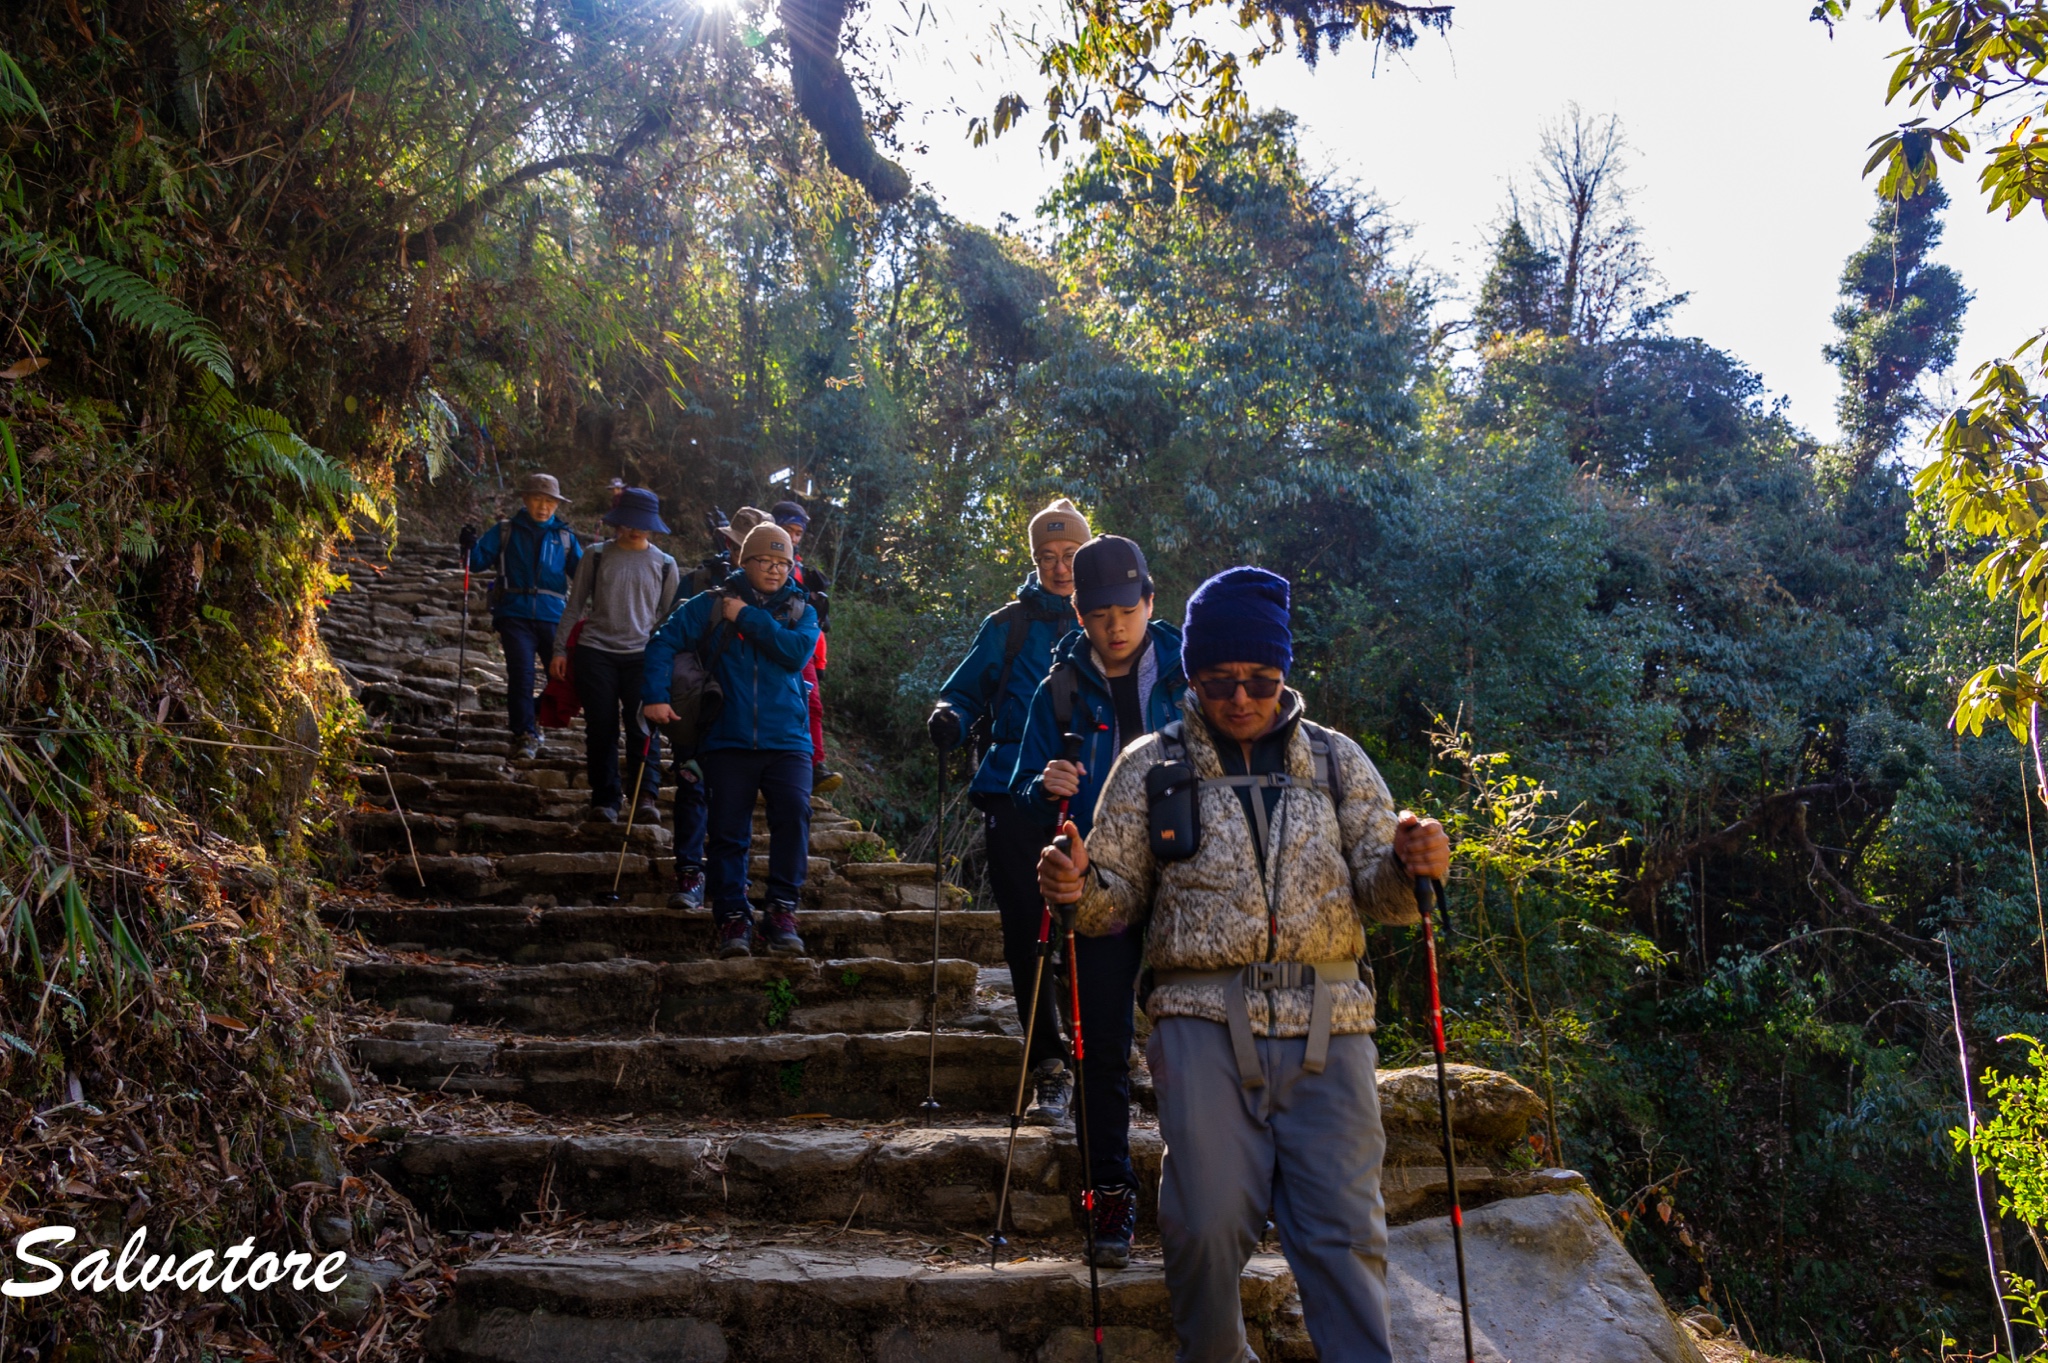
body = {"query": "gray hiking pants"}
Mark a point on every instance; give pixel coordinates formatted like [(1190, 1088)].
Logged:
[(1304, 1149)]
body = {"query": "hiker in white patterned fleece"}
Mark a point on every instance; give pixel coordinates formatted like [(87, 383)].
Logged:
[(1261, 1050)]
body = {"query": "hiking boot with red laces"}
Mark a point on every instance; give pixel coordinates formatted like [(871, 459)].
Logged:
[(689, 889), (736, 936), (780, 931), (1116, 1221)]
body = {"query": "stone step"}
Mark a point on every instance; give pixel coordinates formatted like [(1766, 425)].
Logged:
[(946, 1176), (864, 1076), (741, 997), (445, 835), (790, 1304), (602, 932)]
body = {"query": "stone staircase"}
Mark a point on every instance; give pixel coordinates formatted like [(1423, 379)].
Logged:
[(653, 1156)]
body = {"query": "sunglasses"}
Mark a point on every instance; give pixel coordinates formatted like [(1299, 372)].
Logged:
[(1223, 688)]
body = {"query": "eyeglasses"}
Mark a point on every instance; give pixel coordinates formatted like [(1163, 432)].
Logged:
[(1223, 688), (762, 560)]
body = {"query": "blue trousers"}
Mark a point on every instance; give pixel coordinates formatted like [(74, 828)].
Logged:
[(691, 804), (736, 776), (524, 641), (1305, 1149)]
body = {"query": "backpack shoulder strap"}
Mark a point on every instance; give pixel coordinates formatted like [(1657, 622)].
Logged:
[(1173, 741), (1065, 681), (1323, 753), (1016, 618)]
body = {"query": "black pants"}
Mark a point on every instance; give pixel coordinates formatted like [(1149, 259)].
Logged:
[(608, 684), (1014, 842), (1109, 980)]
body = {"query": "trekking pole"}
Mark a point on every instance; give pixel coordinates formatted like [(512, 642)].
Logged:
[(1070, 751), (1427, 890), (1081, 1117), (462, 644), (632, 808), (931, 1054)]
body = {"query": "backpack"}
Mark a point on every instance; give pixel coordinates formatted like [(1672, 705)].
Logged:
[(1017, 618), (694, 691), (1172, 790)]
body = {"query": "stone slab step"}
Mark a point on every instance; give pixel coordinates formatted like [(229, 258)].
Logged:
[(939, 1177), (741, 997), (442, 834), (602, 932), (876, 1076), (802, 1305), (919, 1178)]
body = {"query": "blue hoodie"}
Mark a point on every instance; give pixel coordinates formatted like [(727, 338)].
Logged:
[(540, 559), (1161, 687), (970, 692), (767, 701)]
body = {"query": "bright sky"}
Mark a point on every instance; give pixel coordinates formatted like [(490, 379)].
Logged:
[(1748, 130)]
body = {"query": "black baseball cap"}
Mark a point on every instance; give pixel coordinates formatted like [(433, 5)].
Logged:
[(1109, 570)]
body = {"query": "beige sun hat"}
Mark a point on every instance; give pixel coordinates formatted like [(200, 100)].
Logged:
[(542, 485)]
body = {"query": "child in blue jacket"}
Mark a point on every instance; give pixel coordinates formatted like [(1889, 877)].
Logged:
[(757, 632), (1112, 684)]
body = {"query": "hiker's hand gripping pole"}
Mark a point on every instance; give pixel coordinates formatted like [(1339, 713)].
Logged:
[(1070, 751), (1429, 897)]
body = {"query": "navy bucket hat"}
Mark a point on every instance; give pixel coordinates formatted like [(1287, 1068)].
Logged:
[(637, 509)]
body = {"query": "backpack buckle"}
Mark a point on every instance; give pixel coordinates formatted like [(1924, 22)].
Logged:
[(1271, 975)]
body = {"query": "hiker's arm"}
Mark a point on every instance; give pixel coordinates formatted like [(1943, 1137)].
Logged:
[(1380, 886), (1039, 747), (486, 551), (1117, 887), (573, 608), (963, 690), (787, 646)]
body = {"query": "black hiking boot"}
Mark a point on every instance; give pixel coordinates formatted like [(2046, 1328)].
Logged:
[(526, 747), (824, 782), (608, 813), (736, 936), (780, 930), (1116, 1221), (1053, 1095)]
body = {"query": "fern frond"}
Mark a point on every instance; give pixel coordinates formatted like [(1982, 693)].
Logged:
[(131, 299), (262, 448), (17, 93)]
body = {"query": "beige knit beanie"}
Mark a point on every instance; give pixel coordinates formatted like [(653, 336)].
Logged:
[(1062, 520), (767, 539)]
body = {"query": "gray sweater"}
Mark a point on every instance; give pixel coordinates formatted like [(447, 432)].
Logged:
[(629, 593)]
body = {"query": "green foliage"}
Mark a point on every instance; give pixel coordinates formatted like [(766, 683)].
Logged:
[(130, 299), (781, 1002)]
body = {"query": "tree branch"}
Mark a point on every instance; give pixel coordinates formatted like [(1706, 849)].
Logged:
[(826, 98)]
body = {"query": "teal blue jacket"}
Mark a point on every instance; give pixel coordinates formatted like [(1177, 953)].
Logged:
[(971, 692)]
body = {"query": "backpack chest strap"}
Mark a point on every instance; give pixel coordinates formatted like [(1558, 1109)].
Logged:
[(1263, 978)]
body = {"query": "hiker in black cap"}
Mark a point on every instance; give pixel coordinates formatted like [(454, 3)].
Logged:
[(624, 588), (535, 554), (1115, 682)]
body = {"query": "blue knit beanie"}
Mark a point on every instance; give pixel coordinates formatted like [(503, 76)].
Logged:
[(1238, 616)]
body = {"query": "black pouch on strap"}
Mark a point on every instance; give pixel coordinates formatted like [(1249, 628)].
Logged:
[(1174, 811)]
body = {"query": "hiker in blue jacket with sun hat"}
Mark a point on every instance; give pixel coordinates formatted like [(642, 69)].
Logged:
[(535, 555)]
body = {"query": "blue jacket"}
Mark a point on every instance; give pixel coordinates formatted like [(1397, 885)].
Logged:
[(1161, 687), (539, 562), (767, 701), (970, 692)]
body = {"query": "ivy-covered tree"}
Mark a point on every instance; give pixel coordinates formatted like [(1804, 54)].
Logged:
[(1900, 318)]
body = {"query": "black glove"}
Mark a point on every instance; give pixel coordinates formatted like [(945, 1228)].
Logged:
[(944, 727), (467, 539)]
